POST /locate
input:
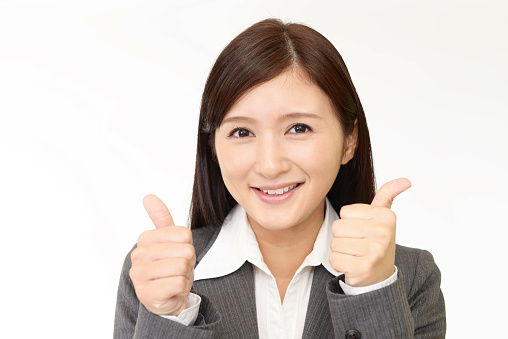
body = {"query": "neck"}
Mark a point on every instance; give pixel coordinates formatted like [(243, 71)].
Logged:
[(285, 250)]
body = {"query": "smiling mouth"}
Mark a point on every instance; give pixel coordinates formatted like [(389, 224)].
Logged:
[(279, 191)]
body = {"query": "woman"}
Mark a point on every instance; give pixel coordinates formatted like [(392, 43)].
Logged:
[(283, 146)]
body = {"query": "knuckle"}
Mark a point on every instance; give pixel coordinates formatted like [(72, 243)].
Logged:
[(345, 210), (137, 254), (180, 284), (188, 252), (135, 273), (391, 216), (143, 237), (336, 227), (335, 244), (134, 255), (334, 259), (186, 235), (181, 265), (180, 234), (142, 291), (383, 234)]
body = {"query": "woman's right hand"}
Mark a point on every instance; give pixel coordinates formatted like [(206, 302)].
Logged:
[(163, 263)]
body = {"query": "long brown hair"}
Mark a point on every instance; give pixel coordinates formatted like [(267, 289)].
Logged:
[(259, 54)]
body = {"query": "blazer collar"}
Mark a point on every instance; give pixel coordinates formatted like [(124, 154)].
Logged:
[(318, 318)]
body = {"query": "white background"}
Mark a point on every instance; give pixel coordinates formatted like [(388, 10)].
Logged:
[(99, 103)]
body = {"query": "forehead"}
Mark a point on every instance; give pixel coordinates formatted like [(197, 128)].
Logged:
[(290, 92)]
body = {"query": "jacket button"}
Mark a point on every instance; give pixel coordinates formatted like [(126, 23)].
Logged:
[(353, 334)]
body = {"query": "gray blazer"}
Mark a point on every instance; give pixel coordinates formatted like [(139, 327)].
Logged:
[(412, 307)]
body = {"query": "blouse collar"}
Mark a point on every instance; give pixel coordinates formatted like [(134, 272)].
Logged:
[(236, 244)]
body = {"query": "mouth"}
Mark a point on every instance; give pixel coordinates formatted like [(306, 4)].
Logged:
[(278, 191)]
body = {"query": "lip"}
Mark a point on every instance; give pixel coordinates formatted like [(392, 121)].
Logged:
[(276, 199), (275, 187)]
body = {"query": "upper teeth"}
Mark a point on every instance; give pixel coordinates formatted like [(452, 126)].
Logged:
[(280, 190)]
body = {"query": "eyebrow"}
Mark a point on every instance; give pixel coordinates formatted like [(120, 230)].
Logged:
[(239, 118), (295, 115), (300, 115)]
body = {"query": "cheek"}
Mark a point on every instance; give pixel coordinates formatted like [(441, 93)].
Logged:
[(233, 163), (322, 156)]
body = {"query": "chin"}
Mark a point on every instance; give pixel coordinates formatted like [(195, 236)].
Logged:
[(275, 227), (275, 222)]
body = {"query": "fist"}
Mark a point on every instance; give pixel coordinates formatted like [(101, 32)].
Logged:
[(162, 269), (363, 244)]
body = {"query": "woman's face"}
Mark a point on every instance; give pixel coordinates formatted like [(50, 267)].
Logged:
[(279, 150)]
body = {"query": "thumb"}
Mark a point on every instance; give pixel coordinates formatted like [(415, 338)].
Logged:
[(386, 193), (157, 211)]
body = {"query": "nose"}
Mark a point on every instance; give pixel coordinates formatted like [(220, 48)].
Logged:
[(272, 159)]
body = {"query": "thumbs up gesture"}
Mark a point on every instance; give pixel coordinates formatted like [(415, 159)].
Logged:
[(163, 263), (363, 247)]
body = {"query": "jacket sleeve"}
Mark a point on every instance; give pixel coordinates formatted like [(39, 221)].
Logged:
[(412, 307), (133, 320)]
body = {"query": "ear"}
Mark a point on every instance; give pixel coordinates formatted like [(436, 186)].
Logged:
[(350, 145)]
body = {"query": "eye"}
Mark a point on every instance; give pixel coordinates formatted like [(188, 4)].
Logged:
[(240, 133), (299, 128)]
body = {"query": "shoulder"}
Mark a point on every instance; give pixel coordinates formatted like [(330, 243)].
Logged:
[(408, 258)]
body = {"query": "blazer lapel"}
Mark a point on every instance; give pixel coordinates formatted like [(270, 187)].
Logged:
[(318, 321), (234, 298)]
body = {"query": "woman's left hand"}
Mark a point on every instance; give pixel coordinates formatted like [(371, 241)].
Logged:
[(363, 247)]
